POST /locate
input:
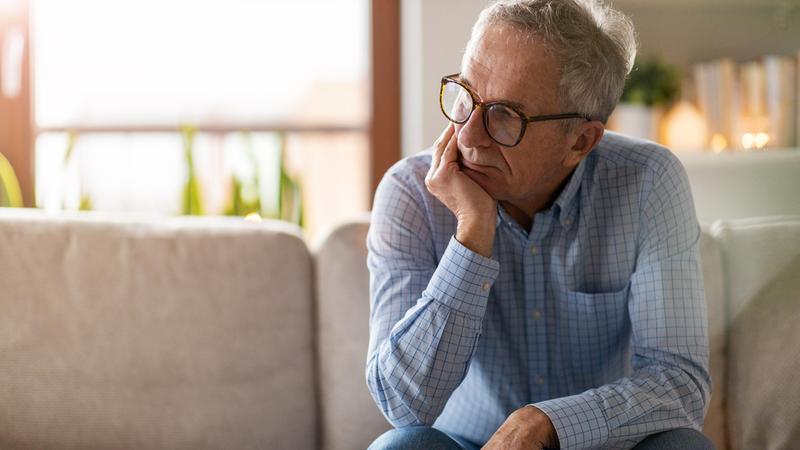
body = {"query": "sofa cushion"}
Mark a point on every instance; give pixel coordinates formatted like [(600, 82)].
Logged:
[(711, 260), (762, 271), (349, 417), (167, 333)]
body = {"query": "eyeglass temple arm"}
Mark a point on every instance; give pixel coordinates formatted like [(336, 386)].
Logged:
[(557, 117)]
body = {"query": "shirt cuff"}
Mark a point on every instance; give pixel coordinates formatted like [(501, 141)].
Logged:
[(579, 420), (463, 279)]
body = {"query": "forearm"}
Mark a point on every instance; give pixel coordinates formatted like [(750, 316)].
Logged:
[(413, 369), (654, 398), (416, 369)]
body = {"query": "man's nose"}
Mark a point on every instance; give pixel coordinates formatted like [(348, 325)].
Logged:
[(473, 133)]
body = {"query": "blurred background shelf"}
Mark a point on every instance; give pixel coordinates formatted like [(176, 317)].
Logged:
[(733, 185), (707, 157)]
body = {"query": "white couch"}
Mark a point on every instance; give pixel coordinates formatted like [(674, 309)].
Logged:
[(130, 332)]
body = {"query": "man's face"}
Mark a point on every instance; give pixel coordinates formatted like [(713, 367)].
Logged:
[(506, 66)]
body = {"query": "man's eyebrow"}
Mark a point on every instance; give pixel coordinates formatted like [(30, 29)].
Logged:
[(517, 105)]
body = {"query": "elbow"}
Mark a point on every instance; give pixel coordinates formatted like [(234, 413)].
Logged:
[(398, 411), (695, 396), (702, 400)]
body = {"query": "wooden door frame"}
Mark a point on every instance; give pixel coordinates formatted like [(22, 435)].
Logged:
[(385, 130), (16, 114)]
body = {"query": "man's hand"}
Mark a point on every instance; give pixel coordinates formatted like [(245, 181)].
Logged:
[(526, 428), (474, 208)]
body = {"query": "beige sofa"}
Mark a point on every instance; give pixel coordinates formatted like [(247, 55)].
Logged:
[(122, 331)]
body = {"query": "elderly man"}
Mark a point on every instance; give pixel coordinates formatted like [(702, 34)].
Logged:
[(534, 280)]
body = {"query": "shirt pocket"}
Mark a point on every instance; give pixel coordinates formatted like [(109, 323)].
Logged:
[(594, 333)]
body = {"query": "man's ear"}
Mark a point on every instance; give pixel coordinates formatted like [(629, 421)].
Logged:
[(584, 138)]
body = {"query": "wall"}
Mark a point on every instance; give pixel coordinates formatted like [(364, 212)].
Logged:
[(434, 34), (702, 30)]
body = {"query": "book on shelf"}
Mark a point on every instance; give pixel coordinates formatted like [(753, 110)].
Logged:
[(754, 98), (715, 84), (780, 96)]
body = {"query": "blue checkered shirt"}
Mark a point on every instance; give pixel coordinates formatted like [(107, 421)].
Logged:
[(596, 315)]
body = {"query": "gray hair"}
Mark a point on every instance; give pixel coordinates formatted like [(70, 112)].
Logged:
[(594, 44)]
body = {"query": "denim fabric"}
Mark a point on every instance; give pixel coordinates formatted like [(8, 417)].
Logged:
[(420, 437), (432, 439)]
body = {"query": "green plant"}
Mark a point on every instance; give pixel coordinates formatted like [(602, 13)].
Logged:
[(10, 192), (290, 201), (652, 83), (245, 194), (85, 203), (192, 203)]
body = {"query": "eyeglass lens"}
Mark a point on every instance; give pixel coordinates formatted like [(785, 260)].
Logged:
[(503, 124)]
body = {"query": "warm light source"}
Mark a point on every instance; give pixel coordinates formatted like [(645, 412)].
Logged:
[(761, 140), (684, 127), (253, 217), (748, 140), (718, 143), (754, 140)]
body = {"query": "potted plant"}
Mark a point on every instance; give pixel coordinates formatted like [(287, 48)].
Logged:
[(651, 88)]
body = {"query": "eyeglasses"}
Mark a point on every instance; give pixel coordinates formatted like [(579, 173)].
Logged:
[(505, 124)]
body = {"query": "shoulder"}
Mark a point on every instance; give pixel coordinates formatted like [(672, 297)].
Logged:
[(411, 168), (636, 172), (405, 215), (617, 150), (402, 200), (406, 178)]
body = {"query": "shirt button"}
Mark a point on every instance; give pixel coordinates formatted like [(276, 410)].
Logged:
[(539, 380), (486, 286), (534, 250), (567, 221), (536, 314)]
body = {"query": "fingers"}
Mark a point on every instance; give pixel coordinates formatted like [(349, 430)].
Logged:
[(440, 145), (450, 154)]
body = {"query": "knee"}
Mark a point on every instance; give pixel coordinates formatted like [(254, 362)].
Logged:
[(681, 438), (414, 438)]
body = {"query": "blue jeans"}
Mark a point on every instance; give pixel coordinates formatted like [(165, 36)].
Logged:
[(432, 439)]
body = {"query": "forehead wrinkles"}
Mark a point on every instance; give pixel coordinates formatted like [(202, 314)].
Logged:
[(503, 66)]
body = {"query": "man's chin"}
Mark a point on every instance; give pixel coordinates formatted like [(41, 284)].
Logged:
[(483, 180)]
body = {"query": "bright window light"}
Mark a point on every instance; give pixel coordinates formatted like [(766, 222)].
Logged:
[(118, 78), (164, 62)]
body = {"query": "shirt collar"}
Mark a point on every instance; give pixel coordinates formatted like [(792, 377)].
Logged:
[(567, 201)]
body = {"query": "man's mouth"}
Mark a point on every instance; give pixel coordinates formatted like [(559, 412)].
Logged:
[(474, 166)]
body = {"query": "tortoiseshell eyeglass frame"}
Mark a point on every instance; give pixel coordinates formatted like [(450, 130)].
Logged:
[(525, 119)]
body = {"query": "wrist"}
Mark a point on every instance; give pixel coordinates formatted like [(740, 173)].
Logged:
[(545, 426), (477, 234)]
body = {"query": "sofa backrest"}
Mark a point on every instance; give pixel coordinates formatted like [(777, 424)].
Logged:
[(715, 425), (349, 418), (761, 263), (164, 333)]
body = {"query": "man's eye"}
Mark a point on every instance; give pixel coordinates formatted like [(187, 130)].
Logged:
[(503, 113)]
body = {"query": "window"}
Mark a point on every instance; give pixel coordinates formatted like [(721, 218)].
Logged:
[(262, 81)]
